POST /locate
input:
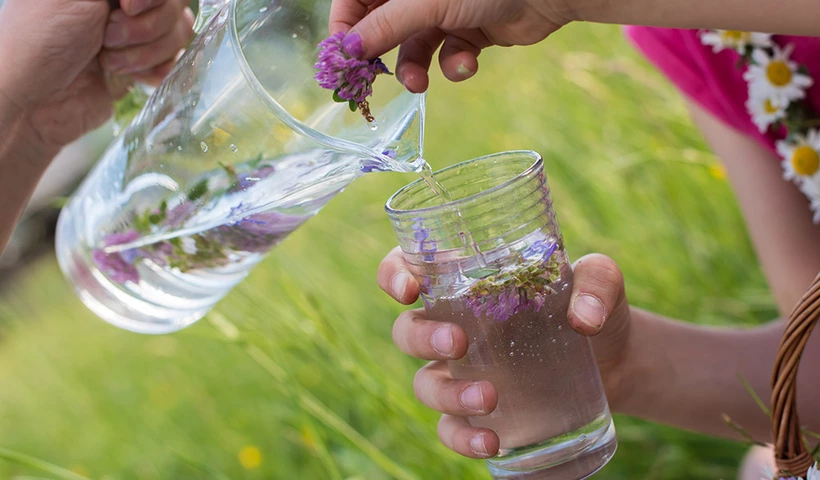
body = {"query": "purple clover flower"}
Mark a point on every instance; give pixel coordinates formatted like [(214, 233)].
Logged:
[(505, 304), (118, 266), (256, 233), (339, 68)]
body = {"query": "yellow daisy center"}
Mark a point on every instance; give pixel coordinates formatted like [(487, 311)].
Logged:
[(805, 161), (734, 37), (769, 108), (778, 73)]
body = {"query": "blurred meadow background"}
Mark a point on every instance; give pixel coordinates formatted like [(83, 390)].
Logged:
[(294, 375)]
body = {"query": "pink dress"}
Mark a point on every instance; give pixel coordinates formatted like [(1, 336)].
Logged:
[(713, 80)]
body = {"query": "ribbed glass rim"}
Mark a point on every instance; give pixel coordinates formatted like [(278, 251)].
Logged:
[(537, 164)]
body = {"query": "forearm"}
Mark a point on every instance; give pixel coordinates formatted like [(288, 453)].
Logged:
[(22, 163), (794, 17), (688, 376)]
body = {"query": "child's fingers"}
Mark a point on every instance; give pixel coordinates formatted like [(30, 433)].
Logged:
[(396, 280), (457, 435), (419, 337)]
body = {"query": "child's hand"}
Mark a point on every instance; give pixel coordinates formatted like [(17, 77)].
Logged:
[(465, 26), (596, 277)]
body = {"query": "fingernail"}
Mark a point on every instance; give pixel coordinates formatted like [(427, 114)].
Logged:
[(399, 284), (589, 310), (352, 44), (115, 35), (463, 71), (472, 398), (477, 445), (442, 341)]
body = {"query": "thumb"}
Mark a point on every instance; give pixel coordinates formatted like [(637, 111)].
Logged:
[(598, 295), (389, 25)]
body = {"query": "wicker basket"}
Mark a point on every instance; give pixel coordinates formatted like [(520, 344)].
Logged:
[(790, 451)]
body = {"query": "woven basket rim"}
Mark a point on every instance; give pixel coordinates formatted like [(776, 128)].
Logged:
[(791, 454)]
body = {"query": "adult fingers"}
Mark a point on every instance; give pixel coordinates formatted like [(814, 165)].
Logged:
[(141, 58), (457, 435), (459, 54), (394, 278), (388, 26), (126, 30), (419, 337), (414, 59)]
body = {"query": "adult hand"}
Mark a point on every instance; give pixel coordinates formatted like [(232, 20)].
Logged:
[(598, 309), (64, 60), (465, 28)]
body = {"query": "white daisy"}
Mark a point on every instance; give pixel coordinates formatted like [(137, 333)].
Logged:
[(813, 473), (735, 39), (776, 77), (801, 158), (764, 111)]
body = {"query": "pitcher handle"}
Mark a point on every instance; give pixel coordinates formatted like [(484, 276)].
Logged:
[(207, 8)]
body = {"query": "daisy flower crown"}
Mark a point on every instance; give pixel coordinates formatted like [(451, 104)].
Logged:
[(777, 91)]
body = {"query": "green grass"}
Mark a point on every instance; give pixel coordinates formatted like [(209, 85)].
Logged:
[(298, 360)]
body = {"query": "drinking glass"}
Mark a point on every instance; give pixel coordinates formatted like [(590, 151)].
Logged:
[(490, 258)]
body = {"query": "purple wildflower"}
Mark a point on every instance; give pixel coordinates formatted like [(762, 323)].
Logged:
[(118, 266), (540, 249), (339, 68), (177, 215), (506, 303), (421, 236), (377, 166), (256, 233), (246, 180)]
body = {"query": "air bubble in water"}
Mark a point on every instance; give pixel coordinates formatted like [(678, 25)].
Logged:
[(553, 340), (179, 148), (373, 126), (263, 9), (582, 437), (293, 36), (203, 146), (233, 148), (559, 327)]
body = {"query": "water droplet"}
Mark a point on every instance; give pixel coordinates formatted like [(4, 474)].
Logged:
[(550, 315), (582, 437), (293, 36), (553, 340), (253, 179), (203, 146), (373, 126), (179, 148), (263, 9), (512, 344), (233, 148), (512, 354), (560, 327)]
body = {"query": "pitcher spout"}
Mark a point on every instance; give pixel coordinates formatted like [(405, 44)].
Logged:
[(207, 9)]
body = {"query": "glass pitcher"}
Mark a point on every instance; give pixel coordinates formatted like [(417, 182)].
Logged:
[(236, 149)]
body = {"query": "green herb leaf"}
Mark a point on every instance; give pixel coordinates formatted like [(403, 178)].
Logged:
[(337, 98), (352, 105), (198, 190), (481, 273)]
